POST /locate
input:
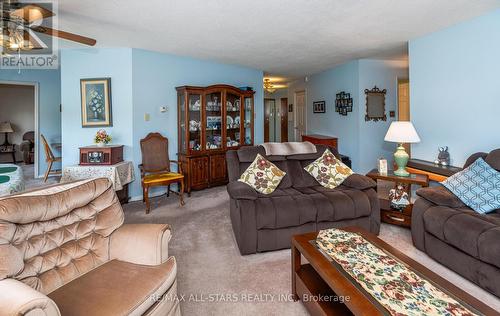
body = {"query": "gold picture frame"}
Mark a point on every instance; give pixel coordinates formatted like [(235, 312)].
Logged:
[(96, 102)]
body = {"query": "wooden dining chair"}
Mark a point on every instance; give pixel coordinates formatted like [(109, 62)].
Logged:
[(49, 158), (155, 167)]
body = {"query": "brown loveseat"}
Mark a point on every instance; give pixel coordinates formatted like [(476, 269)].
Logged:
[(456, 236), (299, 204), (65, 251)]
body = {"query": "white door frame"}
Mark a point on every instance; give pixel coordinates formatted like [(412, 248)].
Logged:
[(35, 85), (295, 112)]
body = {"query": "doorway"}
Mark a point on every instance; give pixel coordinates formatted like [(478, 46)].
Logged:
[(300, 118), (275, 120), (19, 113), (404, 105)]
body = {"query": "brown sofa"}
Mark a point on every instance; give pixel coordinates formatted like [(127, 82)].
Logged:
[(65, 251), (299, 204), (456, 236)]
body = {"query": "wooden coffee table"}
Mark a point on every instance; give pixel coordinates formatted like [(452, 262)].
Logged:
[(319, 278)]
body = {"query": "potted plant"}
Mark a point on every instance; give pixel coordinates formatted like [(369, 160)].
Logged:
[(102, 138)]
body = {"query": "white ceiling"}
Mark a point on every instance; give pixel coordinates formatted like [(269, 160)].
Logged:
[(287, 37)]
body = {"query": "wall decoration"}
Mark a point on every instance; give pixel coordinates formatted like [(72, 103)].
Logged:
[(319, 107), (375, 104), (96, 102), (343, 103)]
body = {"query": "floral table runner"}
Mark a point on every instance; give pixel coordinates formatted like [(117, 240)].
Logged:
[(389, 281)]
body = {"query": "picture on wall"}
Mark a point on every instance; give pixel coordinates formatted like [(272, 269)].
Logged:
[(96, 102), (319, 107)]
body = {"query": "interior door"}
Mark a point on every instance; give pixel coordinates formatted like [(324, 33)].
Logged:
[(269, 126), (284, 119), (300, 115), (404, 105)]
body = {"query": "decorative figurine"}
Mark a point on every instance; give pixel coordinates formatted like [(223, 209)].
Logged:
[(443, 158), (399, 197)]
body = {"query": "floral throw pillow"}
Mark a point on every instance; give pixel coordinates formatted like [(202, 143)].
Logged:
[(328, 170), (262, 175)]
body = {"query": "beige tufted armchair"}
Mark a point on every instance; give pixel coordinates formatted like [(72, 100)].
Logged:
[(64, 250)]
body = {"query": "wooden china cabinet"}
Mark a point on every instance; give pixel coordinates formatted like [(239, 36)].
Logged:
[(212, 120)]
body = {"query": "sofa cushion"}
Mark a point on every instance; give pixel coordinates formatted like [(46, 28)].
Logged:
[(297, 206), (262, 175), (284, 208), (475, 234), (115, 288), (440, 196), (340, 203), (329, 171), (478, 186)]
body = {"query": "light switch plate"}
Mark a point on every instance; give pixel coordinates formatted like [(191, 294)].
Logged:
[(147, 117)]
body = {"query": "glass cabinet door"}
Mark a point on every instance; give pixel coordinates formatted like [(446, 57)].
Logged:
[(194, 121), (213, 126), (248, 121), (233, 120), (182, 121)]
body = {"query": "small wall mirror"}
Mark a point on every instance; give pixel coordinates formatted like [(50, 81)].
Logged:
[(375, 104)]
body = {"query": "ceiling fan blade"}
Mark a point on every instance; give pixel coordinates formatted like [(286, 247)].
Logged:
[(65, 35), (31, 12)]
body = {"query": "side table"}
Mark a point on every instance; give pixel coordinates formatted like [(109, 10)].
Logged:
[(9, 149), (387, 213), (120, 174)]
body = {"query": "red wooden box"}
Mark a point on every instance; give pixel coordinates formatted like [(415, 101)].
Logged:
[(96, 155)]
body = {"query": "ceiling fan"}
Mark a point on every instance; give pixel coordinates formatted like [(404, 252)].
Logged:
[(20, 19)]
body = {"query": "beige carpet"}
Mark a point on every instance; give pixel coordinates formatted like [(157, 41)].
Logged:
[(216, 280)]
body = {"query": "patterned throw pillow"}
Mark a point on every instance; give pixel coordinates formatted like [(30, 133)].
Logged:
[(262, 175), (478, 186), (328, 170)]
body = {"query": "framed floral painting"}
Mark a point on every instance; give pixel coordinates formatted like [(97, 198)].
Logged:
[(96, 102)]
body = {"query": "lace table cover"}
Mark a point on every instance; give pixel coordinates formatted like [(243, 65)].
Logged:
[(390, 282), (120, 174)]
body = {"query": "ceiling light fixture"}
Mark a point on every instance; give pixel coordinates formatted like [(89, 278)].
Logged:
[(268, 86)]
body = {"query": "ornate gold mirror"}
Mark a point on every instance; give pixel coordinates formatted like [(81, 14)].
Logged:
[(375, 104)]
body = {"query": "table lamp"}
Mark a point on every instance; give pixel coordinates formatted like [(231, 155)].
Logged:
[(401, 132), (6, 128)]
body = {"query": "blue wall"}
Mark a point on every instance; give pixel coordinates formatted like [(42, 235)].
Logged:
[(49, 117), (142, 82), (324, 87), (455, 89), (96, 63), (362, 141), (384, 75), (155, 76)]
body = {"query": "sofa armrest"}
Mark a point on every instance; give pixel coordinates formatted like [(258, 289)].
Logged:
[(241, 191), (140, 243), (440, 196), (17, 298), (360, 182)]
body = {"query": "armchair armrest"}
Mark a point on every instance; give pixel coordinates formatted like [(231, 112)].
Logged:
[(140, 243), (241, 191), (440, 196), (360, 182), (17, 298), (178, 163)]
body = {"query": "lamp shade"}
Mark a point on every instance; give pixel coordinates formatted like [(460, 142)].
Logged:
[(5, 127), (402, 132)]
